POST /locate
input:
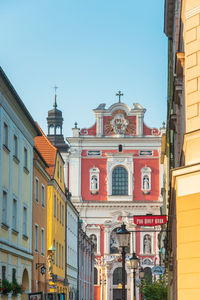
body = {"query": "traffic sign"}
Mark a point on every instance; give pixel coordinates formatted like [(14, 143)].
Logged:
[(158, 270)]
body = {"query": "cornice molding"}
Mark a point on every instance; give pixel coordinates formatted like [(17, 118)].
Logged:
[(192, 12), (113, 204)]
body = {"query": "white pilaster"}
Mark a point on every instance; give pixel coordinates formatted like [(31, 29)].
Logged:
[(139, 126), (99, 124), (106, 241), (75, 174)]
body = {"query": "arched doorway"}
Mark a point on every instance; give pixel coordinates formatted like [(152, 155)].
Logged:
[(117, 281), (148, 274), (25, 284)]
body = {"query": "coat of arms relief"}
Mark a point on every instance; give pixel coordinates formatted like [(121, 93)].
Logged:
[(119, 125)]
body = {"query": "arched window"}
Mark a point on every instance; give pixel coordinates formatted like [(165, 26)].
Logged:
[(94, 240), (58, 129), (120, 148), (117, 276), (95, 276), (114, 246), (147, 244), (119, 181), (51, 129)]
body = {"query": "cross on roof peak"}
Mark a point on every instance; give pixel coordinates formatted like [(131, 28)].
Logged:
[(119, 94)]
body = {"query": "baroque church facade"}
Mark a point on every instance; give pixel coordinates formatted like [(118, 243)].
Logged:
[(113, 172)]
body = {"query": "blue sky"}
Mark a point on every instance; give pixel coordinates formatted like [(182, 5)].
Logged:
[(90, 49)]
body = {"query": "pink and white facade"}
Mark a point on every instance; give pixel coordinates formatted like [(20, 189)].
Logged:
[(113, 172)]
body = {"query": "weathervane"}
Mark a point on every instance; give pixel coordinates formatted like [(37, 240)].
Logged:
[(119, 94), (55, 104)]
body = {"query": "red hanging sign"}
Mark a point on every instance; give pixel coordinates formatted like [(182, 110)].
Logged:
[(149, 220)]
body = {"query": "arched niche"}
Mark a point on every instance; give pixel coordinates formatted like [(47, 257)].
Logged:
[(114, 245)]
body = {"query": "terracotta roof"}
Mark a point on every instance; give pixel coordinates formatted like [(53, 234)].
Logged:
[(47, 150)]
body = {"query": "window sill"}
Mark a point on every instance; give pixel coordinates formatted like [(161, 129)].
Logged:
[(15, 159), (145, 192), (6, 149), (14, 231), (147, 254), (4, 226), (26, 170), (120, 198), (25, 237), (94, 192)]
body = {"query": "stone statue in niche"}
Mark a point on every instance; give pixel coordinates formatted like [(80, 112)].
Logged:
[(94, 183), (94, 240), (114, 245), (147, 244), (146, 185)]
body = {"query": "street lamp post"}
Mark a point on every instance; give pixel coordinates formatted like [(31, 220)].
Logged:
[(123, 239), (134, 266)]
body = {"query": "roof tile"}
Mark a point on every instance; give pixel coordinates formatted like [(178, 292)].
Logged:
[(47, 150)]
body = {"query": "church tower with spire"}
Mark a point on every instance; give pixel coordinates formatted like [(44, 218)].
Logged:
[(55, 123)]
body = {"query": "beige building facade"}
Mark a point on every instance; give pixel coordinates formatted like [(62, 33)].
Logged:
[(182, 26)]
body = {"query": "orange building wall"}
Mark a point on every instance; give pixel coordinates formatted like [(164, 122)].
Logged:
[(97, 292), (39, 218)]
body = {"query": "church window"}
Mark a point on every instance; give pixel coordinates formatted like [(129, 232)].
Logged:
[(94, 241), (120, 181), (147, 244), (51, 129), (94, 180), (95, 276), (146, 179), (117, 276), (58, 129), (120, 148)]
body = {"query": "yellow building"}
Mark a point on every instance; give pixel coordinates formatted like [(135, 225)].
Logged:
[(182, 26), (16, 175), (56, 201)]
